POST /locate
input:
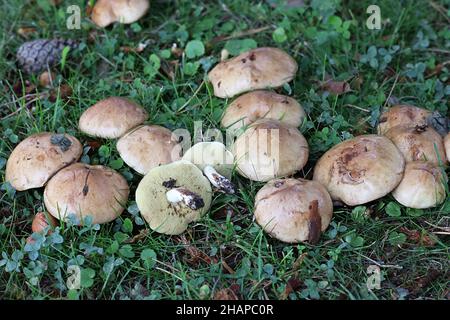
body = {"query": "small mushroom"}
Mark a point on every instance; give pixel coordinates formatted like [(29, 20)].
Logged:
[(112, 118), (255, 69), (422, 186), (447, 146), (215, 161), (418, 143), (85, 190), (402, 115), (37, 158), (293, 210), (146, 147), (259, 104), (106, 12), (41, 221), (270, 149), (171, 196), (361, 169)]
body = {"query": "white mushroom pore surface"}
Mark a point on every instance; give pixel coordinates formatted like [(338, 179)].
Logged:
[(215, 161), (361, 169), (37, 158), (106, 12), (255, 69), (293, 210), (112, 117), (171, 196)]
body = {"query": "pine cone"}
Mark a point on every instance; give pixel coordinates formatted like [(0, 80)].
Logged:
[(35, 56)]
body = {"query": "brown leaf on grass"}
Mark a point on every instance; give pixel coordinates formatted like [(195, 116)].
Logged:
[(292, 285), (26, 32), (127, 49), (223, 212), (169, 68), (138, 237), (298, 262), (225, 294), (177, 52), (94, 145), (423, 282), (194, 255), (22, 89), (335, 87), (418, 237), (64, 91), (437, 70)]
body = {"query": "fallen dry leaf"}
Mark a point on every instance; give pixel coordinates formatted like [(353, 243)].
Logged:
[(418, 237), (292, 285), (26, 31), (225, 294), (194, 255), (64, 91), (140, 236), (336, 87)]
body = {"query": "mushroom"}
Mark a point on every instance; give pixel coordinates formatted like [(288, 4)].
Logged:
[(85, 190), (361, 169), (255, 69), (146, 147), (447, 146), (215, 161), (37, 158), (259, 104), (41, 221), (171, 196), (418, 143), (106, 12), (270, 149), (402, 115), (422, 186), (111, 117), (293, 210)]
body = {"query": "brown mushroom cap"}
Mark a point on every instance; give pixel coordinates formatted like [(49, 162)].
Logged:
[(293, 210), (447, 146), (418, 143), (112, 117), (402, 115), (260, 104), (146, 147), (86, 190), (361, 169), (270, 149), (37, 158), (106, 12), (422, 186), (255, 69), (151, 199)]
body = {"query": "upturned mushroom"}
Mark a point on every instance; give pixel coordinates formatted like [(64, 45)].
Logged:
[(418, 143), (86, 190), (146, 147), (447, 146), (293, 210), (37, 158), (402, 115), (255, 69), (260, 104), (215, 161), (270, 149), (171, 196), (106, 12), (422, 186), (112, 118), (361, 169)]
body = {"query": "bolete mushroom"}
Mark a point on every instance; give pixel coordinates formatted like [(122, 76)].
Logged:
[(418, 143), (86, 190), (293, 210), (112, 117), (171, 196), (422, 186), (37, 158), (402, 115), (106, 12), (215, 161), (447, 146), (259, 104), (361, 169), (255, 69), (270, 149), (146, 147)]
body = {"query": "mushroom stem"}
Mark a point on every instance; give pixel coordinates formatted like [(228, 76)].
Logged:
[(185, 196), (217, 180)]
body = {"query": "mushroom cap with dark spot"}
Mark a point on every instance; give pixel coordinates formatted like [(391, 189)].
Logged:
[(161, 215), (37, 158), (418, 143), (85, 190), (146, 147), (422, 186), (112, 117), (293, 210), (106, 12), (260, 104), (255, 69), (270, 149), (402, 115), (361, 169)]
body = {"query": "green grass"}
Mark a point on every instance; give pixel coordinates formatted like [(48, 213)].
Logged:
[(226, 249)]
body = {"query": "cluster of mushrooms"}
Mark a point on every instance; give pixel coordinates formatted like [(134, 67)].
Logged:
[(406, 157)]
